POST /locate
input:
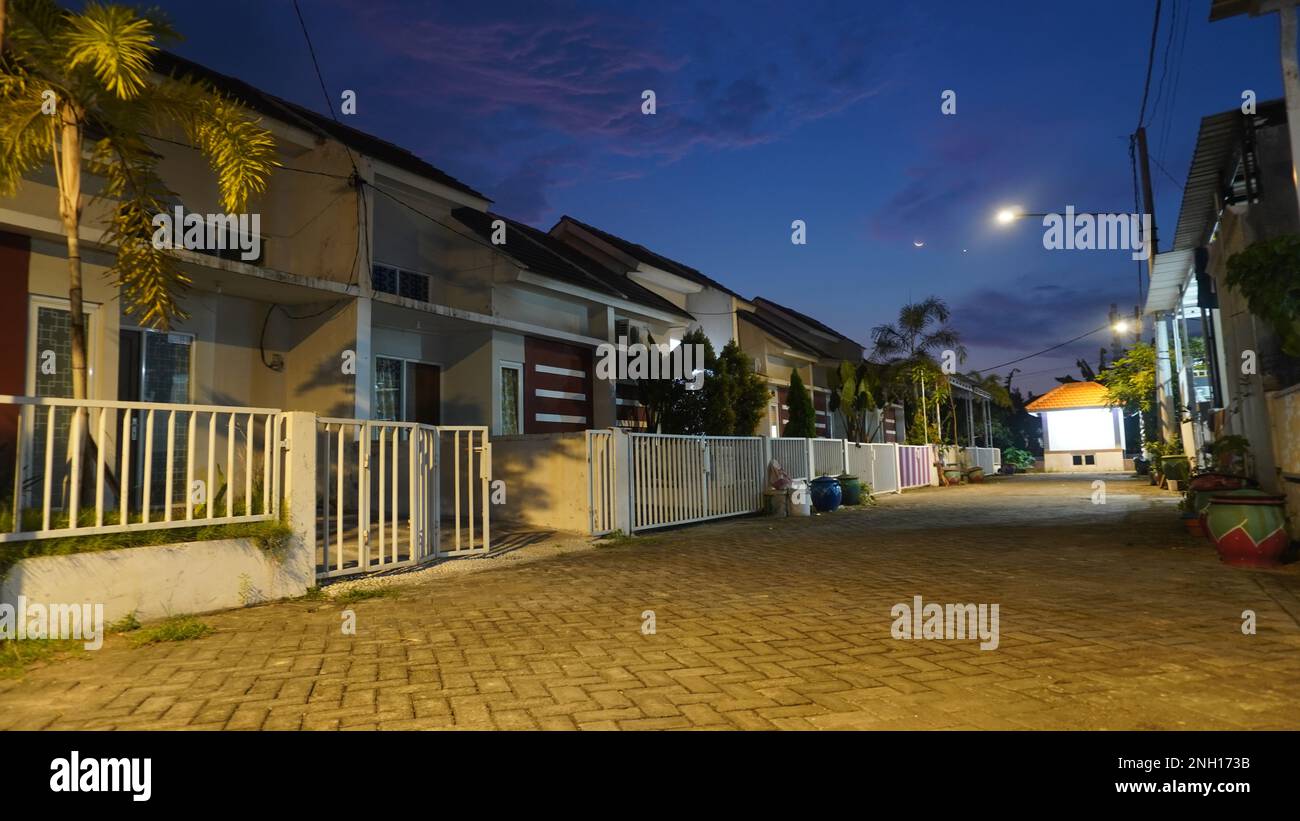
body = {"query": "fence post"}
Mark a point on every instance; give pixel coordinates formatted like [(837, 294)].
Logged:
[(299, 439), (621, 447), (812, 463)]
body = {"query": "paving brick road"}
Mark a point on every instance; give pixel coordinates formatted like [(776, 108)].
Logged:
[(1110, 616)]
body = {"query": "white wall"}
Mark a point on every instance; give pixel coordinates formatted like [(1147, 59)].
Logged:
[(1081, 429)]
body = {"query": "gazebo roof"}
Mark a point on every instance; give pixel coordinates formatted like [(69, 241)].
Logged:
[(1072, 395)]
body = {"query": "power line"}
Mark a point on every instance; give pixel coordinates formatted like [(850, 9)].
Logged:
[(1151, 62), (1044, 350)]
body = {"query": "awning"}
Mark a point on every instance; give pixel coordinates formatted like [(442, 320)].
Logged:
[(1168, 273)]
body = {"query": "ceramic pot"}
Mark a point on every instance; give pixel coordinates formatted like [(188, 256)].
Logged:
[(852, 490), (1248, 527), (826, 493)]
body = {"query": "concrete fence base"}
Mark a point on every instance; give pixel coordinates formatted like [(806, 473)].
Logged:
[(159, 581)]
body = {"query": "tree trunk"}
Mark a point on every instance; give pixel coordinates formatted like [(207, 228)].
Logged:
[(70, 213)]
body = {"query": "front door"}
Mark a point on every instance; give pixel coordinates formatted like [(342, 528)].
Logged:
[(424, 396), (557, 386)]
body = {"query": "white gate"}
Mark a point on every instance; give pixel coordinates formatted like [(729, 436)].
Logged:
[(601, 482), (874, 462), (681, 479), (381, 494)]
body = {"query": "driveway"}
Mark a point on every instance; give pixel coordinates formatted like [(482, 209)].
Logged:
[(1110, 616)]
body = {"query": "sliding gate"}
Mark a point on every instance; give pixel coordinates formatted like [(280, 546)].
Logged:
[(394, 494), (680, 479)]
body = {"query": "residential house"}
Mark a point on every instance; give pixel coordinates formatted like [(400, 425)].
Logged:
[(374, 295), (1220, 368), (832, 348)]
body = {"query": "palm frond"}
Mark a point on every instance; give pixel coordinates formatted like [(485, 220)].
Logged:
[(115, 43), (147, 273), (26, 132)]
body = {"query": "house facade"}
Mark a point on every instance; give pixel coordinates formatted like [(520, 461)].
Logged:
[(1221, 369)]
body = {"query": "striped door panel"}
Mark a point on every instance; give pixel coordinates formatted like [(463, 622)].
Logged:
[(557, 386)]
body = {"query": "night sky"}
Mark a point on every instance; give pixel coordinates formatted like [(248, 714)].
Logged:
[(827, 112)]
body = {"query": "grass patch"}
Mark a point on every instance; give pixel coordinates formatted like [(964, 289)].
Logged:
[(16, 655), (177, 628), (124, 625), (271, 536), (616, 538), (357, 594)]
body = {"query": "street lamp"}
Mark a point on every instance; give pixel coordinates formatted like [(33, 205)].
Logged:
[(1010, 214)]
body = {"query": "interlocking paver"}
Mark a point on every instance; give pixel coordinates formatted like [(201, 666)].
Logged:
[(1111, 617)]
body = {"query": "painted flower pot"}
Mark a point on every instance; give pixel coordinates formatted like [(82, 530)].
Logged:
[(1248, 527), (851, 488), (826, 493), (952, 475), (975, 475)]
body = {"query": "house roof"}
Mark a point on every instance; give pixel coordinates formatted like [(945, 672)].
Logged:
[(1223, 9), (769, 305), (543, 254), (302, 117), (1072, 395), (779, 331), (644, 254)]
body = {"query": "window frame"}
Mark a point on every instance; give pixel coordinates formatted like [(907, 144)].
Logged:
[(499, 416)]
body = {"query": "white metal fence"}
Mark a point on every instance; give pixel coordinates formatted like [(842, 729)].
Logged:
[(382, 488), (875, 463), (793, 456), (681, 479), (828, 457), (89, 466), (988, 458)]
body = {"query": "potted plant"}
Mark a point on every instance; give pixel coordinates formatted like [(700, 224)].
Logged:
[(1231, 454), (975, 475), (851, 488), (1177, 469)]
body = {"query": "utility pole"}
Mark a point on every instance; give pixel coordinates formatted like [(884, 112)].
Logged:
[(1148, 196)]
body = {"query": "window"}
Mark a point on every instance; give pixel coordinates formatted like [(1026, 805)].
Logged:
[(1090, 459), (1078, 460), (393, 280), (512, 410), (388, 389), (407, 391)]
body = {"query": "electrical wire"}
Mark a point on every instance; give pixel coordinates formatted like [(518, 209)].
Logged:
[(1044, 350), (1151, 62)]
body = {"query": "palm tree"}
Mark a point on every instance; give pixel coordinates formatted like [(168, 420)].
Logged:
[(68, 77), (920, 332), (911, 344)]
